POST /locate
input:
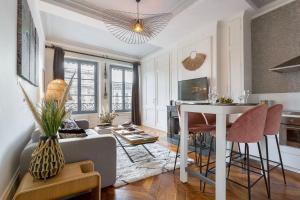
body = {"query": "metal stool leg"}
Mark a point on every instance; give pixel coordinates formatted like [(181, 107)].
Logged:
[(177, 151), (229, 165), (208, 160), (195, 147), (263, 170), (200, 157), (268, 166), (280, 158), (248, 171)]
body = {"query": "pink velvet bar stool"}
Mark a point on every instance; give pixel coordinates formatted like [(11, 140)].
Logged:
[(272, 127), (248, 128)]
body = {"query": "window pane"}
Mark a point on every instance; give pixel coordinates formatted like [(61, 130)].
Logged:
[(88, 87), (127, 103), (117, 75), (88, 103), (117, 89), (117, 103), (87, 81), (121, 88), (128, 85), (128, 89), (71, 68), (128, 76), (87, 71)]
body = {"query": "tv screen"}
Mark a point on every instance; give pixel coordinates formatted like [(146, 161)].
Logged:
[(193, 89)]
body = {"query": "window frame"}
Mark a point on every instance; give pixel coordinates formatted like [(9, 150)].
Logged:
[(123, 68), (79, 63)]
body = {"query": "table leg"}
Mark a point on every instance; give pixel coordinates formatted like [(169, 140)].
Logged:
[(183, 146), (221, 157), (148, 151), (95, 194), (124, 148)]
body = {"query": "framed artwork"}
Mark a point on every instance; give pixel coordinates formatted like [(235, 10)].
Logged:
[(27, 45)]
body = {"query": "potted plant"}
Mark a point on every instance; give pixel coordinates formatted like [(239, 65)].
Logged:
[(47, 159), (106, 117)]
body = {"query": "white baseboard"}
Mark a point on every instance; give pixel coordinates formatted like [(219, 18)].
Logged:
[(11, 187), (292, 169), (284, 166)]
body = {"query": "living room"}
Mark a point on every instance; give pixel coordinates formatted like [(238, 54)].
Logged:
[(140, 99)]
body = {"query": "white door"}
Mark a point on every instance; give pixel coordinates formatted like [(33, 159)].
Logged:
[(162, 90), (148, 85)]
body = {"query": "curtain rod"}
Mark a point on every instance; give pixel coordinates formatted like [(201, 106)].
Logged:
[(88, 54)]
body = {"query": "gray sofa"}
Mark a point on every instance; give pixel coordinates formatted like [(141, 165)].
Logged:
[(101, 149)]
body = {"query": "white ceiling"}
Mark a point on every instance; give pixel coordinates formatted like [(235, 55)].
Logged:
[(65, 31), (73, 26)]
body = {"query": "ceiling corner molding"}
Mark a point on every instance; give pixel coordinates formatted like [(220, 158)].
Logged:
[(269, 7)]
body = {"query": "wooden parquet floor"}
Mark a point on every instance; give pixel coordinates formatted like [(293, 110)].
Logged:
[(167, 186)]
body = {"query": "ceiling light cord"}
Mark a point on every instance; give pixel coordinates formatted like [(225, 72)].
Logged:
[(138, 9)]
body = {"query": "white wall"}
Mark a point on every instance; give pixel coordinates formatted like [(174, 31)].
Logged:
[(162, 70), (16, 121), (103, 103)]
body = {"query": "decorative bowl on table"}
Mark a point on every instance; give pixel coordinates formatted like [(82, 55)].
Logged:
[(225, 101)]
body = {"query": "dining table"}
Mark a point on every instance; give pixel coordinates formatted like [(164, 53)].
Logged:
[(222, 111)]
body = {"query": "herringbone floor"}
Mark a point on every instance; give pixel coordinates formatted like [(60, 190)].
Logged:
[(167, 186)]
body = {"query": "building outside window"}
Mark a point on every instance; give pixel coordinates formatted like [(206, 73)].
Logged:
[(120, 88), (84, 89)]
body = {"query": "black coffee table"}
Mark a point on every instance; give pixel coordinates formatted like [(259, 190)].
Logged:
[(132, 138)]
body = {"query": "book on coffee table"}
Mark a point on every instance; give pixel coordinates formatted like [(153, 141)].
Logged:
[(136, 137), (126, 131)]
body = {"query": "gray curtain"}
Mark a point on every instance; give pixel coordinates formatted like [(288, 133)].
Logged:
[(58, 63), (135, 100)]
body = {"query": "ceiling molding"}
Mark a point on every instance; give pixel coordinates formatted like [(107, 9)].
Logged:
[(93, 50), (71, 13), (91, 9)]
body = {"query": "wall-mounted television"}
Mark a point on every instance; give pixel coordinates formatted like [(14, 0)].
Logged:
[(193, 89)]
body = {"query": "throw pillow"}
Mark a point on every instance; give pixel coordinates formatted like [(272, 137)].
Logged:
[(35, 136), (69, 124)]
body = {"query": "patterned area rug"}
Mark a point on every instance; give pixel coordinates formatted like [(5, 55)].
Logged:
[(145, 165)]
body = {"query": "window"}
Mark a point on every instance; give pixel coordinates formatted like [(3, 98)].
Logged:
[(120, 88), (83, 91)]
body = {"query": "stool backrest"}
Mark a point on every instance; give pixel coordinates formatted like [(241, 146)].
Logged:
[(249, 127), (273, 119), (210, 118), (193, 118)]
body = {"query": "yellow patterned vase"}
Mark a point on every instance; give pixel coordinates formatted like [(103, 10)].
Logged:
[(47, 159)]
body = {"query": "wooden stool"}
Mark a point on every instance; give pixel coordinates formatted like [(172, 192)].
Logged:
[(73, 179)]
